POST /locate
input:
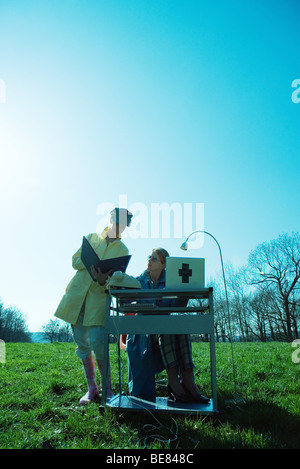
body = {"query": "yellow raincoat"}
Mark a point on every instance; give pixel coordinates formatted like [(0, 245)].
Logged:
[(82, 287)]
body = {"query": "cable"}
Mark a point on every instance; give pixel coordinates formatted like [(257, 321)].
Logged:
[(150, 427), (173, 433), (184, 247)]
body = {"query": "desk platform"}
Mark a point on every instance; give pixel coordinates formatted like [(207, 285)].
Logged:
[(142, 311), (162, 405)]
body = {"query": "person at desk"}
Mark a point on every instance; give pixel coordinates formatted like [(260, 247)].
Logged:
[(175, 350), (84, 302)]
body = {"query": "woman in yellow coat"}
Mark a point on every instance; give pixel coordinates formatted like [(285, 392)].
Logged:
[(83, 304)]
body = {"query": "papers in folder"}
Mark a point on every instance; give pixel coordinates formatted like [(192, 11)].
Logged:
[(89, 258)]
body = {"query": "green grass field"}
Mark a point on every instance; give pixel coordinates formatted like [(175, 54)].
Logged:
[(40, 385)]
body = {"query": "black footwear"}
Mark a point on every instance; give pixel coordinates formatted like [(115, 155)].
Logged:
[(196, 397), (179, 397)]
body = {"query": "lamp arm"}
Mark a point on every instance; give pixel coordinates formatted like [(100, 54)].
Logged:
[(222, 264), (209, 234), (226, 295)]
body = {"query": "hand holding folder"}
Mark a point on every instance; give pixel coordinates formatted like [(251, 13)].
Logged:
[(99, 276), (107, 266)]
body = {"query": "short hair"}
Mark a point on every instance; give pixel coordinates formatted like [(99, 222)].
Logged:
[(121, 216)]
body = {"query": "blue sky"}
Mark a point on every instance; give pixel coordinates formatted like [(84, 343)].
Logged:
[(185, 102)]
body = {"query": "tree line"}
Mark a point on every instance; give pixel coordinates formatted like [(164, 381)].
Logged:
[(263, 296), (263, 299), (13, 326)]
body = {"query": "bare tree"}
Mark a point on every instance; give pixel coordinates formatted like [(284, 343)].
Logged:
[(57, 331), (13, 326), (263, 315), (223, 329), (65, 333), (276, 265), (238, 300)]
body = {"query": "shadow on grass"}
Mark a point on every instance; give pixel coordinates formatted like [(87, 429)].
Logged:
[(246, 425), (280, 427), (165, 431)]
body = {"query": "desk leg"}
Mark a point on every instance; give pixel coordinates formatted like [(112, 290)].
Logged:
[(213, 358), (213, 371), (119, 363), (105, 369)]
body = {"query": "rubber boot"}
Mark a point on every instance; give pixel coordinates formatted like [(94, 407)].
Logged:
[(90, 374), (109, 391)]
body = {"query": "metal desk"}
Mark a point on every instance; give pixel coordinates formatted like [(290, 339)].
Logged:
[(197, 317)]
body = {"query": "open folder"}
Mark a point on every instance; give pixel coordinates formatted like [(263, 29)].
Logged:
[(89, 258)]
